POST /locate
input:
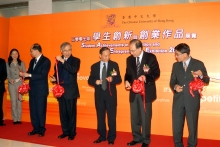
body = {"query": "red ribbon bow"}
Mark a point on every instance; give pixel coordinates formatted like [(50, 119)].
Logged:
[(139, 87), (196, 84), (22, 89), (57, 89)]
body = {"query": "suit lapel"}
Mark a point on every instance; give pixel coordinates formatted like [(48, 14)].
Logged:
[(70, 59), (39, 62), (189, 67), (133, 65), (143, 61), (191, 62), (181, 67), (109, 68), (98, 68), (32, 65)]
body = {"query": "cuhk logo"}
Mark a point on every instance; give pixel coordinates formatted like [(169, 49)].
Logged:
[(111, 19)]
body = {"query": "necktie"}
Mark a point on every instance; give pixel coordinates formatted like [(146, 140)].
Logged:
[(104, 75), (138, 66), (184, 66), (35, 62)]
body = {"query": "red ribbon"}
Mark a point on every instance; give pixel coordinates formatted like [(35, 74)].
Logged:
[(109, 88), (57, 89), (22, 89), (139, 87), (211, 78), (196, 84)]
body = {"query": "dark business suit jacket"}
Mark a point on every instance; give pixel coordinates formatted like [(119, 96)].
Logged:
[(3, 75), (151, 75), (72, 66), (182, 78), (39, 76), (95, 75)]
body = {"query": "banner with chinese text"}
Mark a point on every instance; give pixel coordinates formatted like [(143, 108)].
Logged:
[(160, 28)]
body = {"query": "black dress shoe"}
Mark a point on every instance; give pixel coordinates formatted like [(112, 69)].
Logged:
[(19, 122), (62, 136), (132, 143), (32, 133), (98, 141), (41, 134), (144, 145), (2, 124), (71, 137), (15, 123), (111, 142)]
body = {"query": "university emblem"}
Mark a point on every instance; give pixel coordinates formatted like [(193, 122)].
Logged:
[(111, 19)]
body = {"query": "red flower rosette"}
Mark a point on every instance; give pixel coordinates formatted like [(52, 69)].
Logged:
[(146, 68), (22, 89), (113, 72), (196, 84), (58, 90), (138, 87)]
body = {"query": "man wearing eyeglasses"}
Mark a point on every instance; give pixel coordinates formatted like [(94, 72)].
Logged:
[(68, 66), (143, 66), (183, 103)]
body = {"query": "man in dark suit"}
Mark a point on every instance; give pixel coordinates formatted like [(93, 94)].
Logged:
[(103, 77), (3, 76), (143, 66), (38, 73), (68, 67), (183, 103)]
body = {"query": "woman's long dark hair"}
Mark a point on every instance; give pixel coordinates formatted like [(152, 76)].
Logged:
[(10, 59)]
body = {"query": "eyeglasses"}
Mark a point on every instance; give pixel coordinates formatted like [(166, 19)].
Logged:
[(132, 51), (178, 54)]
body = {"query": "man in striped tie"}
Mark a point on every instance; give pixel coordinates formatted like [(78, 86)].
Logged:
[(143, 66)]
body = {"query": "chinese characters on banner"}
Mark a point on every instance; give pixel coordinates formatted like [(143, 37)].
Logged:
[(127, 35)]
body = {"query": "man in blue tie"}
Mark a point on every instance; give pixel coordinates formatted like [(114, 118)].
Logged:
[(38, 80)]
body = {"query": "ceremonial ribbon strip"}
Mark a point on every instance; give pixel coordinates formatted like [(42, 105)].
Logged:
[(109, 88), (197, 84), (57, 89)]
